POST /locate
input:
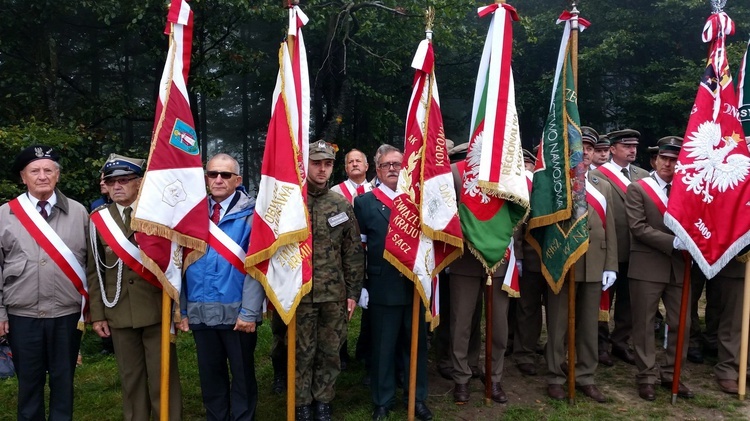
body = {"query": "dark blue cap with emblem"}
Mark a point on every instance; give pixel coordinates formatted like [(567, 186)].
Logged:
[(118, 165)]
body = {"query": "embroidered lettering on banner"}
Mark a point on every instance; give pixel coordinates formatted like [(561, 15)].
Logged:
[(338, 219)]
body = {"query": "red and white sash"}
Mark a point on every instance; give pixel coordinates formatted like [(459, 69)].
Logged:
[(52, 244), (529, 180), (343, 189), (597, 201), (128, 252), (615, 176), (226, 247), (380, 194), (655, 192), (510, 281)]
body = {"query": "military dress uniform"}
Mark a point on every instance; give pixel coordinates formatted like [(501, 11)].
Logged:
[(623, 319), (729, 288), (132, 308), (656, 272), (601, 256)]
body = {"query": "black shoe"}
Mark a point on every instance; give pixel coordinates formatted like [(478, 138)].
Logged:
[(323, 411), (624, 354), (422, 412), (446, 372), (694, 355), (279, 385), (303, 413), (380, 413)]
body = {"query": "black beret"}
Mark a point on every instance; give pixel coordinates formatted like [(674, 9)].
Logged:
[(32, 153)]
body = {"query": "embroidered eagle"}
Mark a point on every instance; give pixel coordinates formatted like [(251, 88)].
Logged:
[(473, 159), (713, 168)]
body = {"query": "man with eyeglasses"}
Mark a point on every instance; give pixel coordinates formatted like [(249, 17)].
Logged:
[(221, 303), (390, 295), (42, 231), (126, 298), (338, 269)]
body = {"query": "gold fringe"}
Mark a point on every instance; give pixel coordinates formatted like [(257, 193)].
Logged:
[(450, 258), (511, 293), (487, 268), (603, 316), (409, 275), (81, 326), (286, 316), (151, 265), (442, 236), (191, 258), (434, 321), (152, 228)]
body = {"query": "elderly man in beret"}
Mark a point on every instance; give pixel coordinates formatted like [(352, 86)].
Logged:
[(126, 298), (620, 173), (655, 272), (43, 284)]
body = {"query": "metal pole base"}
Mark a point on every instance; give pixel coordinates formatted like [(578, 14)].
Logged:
[(487, 402), (674, 399)]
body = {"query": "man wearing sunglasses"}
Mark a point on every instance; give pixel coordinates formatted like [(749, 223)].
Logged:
[(126, 298), (221, 303)]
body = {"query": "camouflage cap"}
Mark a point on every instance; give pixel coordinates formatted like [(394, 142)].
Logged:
[(669, 146), (321, 150), (118, 165), (624, 136), (589, 135)]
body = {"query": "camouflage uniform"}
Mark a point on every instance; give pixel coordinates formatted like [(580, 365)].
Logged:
[(338, 270)]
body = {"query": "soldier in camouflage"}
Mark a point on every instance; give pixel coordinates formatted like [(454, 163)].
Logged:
[(338, 270)]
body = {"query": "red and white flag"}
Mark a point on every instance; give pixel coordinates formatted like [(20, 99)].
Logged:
[(173, 193), (424, 233), (708, 203), (280, 243)]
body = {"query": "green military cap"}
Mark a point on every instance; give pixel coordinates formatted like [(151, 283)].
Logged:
[(602, 142), (624, 136), (321, 150), (589, 135), (118, 165), (653, 150), (669, 146)]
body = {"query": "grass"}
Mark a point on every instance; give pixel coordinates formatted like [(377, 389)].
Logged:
[(98, 392)]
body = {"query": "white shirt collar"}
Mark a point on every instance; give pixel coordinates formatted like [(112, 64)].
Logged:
[(121, 210), (659, 181), (387, 190), (51, 202)]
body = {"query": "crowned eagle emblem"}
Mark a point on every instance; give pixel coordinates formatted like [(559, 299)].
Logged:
[(471, 178), (714, 168)]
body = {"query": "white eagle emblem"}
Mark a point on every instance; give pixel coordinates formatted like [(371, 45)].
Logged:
[(713, 168), (473, 158)]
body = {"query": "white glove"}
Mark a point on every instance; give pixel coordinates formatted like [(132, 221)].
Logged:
[(608, 279), (364, 298), (519, 266), (678, 244)]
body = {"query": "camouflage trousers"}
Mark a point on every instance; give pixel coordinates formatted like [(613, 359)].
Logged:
[(320, 329)]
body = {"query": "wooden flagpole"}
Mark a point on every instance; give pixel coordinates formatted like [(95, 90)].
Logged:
[(166, 322), (681, 328), (571, 272), (742, 383), (413, 354), (291, 331)]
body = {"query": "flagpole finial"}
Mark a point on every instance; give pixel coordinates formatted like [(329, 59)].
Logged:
[(288, 4), (718, 5), (500, 1), (429, 18)]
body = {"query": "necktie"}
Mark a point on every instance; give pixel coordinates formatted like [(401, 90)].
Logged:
[(216, 215), (668, 188), (43, 208), (127, 212), (626, 173), (360, 190)]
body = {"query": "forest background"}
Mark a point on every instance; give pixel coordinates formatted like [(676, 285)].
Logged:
[(82, 75)]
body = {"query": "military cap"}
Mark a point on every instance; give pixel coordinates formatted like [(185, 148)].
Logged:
[(669, 146), (589, 135), (602, 142), (33, 153), (624, 136), (448, 145), (118, 165), (528, 156), (653, 150), (321, 150)]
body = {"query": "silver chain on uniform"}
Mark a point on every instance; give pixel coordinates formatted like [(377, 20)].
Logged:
[(98, 261)]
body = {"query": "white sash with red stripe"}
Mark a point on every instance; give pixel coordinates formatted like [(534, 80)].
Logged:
[(597, 201), (343, 188), (510, 281), (529, 180), (615, 176), (52, 244), (126, 251), (226, 247), (655, 192)]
